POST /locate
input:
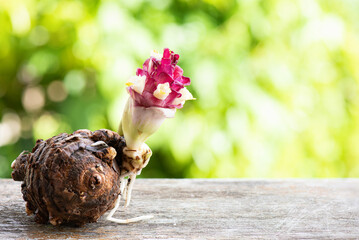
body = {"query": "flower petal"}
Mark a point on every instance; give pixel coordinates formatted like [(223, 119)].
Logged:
[(176, 86), (162, 91), (178, 72), (186, 95), (186, 81), (137, 83), (163, 78)]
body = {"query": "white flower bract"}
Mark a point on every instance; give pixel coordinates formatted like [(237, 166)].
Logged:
[(186, 95), (162, 91), (138, 123), (137, 83)]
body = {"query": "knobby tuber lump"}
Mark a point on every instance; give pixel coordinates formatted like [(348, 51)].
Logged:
[(71, 178)]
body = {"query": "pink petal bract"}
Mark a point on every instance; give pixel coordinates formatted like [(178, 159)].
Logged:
[(159, 72)]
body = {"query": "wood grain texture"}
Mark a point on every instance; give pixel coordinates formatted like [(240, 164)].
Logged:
[(209, 209)]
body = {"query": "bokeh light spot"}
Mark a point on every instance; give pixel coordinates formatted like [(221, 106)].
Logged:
[(39, 36), (33, 99), (75, 82), (10, 128), (20, 19), (56, 91)]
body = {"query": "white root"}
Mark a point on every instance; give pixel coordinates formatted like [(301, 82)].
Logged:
[(126, 190), (123, 187), (131, 181), (109, 216), (130, 220)]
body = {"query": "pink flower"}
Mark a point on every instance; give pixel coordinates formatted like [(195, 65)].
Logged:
[(156, 92), (160, 83)]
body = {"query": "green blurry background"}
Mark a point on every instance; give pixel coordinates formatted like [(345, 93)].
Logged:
[(276, 82)]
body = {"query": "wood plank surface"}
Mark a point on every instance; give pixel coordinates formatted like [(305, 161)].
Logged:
[(209, 209)]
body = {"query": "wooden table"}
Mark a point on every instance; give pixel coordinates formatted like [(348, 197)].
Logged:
[(209, 209)]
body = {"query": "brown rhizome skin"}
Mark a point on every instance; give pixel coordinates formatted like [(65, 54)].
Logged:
[(71, 179)]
